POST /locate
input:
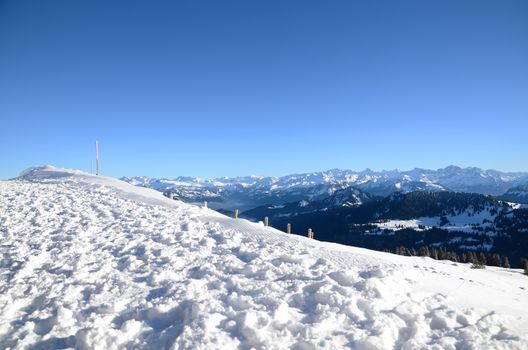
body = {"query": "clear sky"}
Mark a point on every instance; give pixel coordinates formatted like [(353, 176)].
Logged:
[(223, 88)]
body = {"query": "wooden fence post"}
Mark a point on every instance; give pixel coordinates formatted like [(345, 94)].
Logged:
[(236, 213), (288, 228), (266, 221)]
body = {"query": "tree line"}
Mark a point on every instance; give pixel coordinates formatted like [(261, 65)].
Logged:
[(477, 260)]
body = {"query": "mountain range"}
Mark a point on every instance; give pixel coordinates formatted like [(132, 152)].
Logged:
[(247, 192)]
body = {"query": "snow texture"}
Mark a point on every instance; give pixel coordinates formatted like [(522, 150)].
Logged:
[(93, 262)]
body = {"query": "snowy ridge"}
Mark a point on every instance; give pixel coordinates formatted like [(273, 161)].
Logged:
[(93, 262)]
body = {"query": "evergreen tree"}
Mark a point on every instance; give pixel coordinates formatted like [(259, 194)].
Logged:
[(482, 259), (493, 260), (524, 264), (505, 262), (423, 251), (498, 260)]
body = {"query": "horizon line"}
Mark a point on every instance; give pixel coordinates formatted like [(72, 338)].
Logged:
[(333, 169)]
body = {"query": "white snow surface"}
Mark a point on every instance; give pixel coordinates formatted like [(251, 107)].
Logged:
[(93, 262), (467, 221)]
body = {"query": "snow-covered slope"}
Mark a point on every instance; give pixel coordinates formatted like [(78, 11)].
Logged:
[(92, 262)]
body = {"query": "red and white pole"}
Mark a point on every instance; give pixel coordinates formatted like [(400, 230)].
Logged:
[(97, 157)]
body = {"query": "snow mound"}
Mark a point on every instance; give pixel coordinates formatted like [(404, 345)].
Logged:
[(93, 262), (46, 172)]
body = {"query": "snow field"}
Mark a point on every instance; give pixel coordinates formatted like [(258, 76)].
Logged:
[(95, 263)]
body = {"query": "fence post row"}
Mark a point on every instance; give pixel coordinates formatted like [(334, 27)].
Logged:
[(266, 223)]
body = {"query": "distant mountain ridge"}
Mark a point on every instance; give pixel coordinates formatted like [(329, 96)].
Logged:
[(251, 191), (347, 197), (517, 194)]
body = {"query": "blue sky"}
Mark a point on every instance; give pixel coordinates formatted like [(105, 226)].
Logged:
[(223, 88)]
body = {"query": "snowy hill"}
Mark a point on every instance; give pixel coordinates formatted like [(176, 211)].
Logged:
[(252, 191), (93, 262)]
